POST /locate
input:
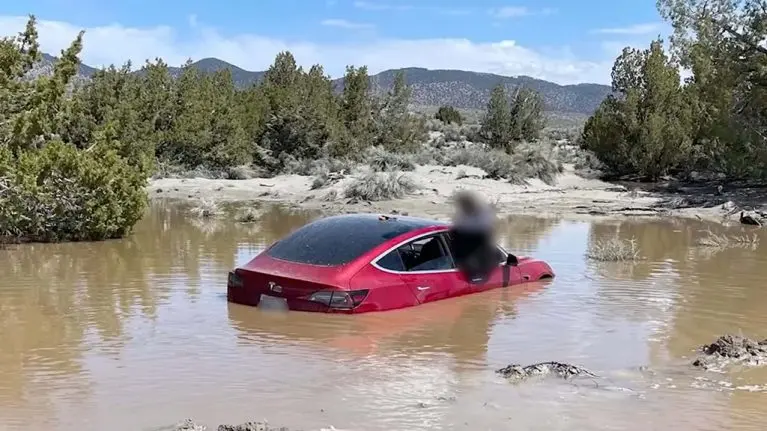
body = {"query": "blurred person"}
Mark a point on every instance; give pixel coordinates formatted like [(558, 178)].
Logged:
[(473, 237)]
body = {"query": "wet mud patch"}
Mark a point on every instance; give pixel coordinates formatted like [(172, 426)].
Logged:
[(517, 373), (190, 425), (729, 350), (574, 375)]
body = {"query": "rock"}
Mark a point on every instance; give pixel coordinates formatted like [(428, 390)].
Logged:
[(728, 206), (750, 218), (189, 425), (732, 348), (517, 372)]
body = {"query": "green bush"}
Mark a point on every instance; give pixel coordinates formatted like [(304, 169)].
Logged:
[(59, 193), (449, 115), (65, 173)]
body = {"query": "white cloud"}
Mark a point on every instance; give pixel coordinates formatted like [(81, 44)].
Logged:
[(511, 12), (115, 43), (636, 29), (376, 5), (349, 25), (507, 12)]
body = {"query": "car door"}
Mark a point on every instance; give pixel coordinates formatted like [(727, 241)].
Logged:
[(429, 269), (501, 276)]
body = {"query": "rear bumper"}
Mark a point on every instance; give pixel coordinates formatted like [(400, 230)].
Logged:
[(251, 296)]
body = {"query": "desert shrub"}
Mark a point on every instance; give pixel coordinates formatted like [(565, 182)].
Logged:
[(433, 125), (528, 161), (534, 161), (429, 155), (243, 172), (308, 167), (438, 142), (205, 209), (723, 241), (248, 215), (381, 160), (613, 250), (452, 133), (449, 115), (59, 193), (496, 163), (379, 186), (320, 180), (472, 133)]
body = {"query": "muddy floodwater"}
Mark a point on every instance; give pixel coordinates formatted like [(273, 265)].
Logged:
[(137, 335)]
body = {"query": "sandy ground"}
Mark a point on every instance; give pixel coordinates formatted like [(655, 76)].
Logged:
[(570, 196)]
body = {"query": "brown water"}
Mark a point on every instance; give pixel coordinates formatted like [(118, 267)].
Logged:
[(136, 334)]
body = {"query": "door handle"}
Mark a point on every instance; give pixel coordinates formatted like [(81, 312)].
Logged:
[(423, 288)]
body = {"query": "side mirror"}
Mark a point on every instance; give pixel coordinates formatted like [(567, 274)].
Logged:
[(511, 260)]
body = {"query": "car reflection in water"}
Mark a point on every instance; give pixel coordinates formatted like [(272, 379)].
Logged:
[(459, 327)]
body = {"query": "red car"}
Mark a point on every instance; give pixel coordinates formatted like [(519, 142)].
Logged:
[(364, 262)]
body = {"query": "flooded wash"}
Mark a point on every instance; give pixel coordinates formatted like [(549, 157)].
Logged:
[(137, 334)]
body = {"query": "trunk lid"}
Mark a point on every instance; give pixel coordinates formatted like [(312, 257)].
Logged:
[(288, 280)]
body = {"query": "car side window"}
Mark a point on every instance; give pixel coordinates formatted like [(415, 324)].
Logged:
[(392, 261), (426, 254)]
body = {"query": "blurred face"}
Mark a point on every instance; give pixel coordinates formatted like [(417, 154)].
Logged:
[(466, 204)]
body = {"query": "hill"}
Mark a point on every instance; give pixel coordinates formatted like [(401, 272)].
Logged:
[(459, 88)]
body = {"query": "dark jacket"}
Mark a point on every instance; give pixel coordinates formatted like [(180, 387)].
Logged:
[(474, 252)]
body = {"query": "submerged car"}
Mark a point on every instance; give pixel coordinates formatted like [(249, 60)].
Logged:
[(360, 263)]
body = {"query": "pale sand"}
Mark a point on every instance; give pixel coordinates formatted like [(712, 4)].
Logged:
[(570, 196)]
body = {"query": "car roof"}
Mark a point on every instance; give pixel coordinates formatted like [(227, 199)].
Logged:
[(372, 219), (340, 239)]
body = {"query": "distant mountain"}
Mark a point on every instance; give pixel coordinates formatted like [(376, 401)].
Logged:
[(471, 90), (242, 78), (462, 89)]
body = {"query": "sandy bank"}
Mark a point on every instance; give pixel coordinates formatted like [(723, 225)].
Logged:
[(572, 195)]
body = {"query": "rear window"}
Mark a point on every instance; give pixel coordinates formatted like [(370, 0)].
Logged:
[(338, 240)]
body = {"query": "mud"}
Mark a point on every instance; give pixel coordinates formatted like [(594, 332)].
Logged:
[(519, 373), (190, 425), (732, 349)]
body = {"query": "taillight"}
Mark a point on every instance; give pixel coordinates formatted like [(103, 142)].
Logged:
[(234, 280), (339, 299)]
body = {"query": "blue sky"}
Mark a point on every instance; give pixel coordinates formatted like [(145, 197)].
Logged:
[(562, 41)]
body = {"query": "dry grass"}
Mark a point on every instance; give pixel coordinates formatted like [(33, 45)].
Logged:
[(249, 215), (614, 250), (723, 241), (330, 196), (206, 209), (380, 186)]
